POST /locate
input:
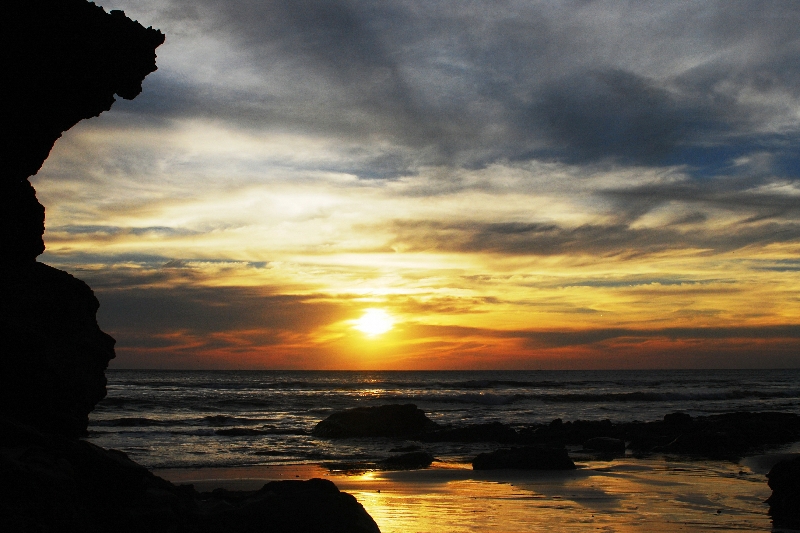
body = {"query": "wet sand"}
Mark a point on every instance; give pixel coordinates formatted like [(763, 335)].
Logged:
[(653, 495)]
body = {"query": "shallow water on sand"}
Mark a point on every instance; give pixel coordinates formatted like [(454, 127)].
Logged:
[(653, 495)]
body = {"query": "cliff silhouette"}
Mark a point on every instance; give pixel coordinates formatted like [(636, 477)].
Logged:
[(65, 61)]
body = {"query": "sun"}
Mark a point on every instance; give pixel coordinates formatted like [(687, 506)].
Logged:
[(374, 322)]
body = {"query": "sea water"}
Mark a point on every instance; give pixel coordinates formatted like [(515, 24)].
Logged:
[(166, 419)]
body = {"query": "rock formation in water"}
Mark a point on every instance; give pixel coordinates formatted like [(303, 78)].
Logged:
[(64, 61)]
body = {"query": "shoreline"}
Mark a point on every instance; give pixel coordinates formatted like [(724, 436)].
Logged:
[(662, 494)]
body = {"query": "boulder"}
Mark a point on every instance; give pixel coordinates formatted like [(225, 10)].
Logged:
[(393, 421), (52, 483), (407, 461), (784, 503), (525, 458)]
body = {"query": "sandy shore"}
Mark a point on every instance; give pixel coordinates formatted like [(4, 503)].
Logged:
[(657, 494)]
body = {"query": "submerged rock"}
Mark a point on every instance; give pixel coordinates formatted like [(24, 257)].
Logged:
[(491, 432), (393, 421), (526, 458), (407, 461), (607, 445), (784, 503)]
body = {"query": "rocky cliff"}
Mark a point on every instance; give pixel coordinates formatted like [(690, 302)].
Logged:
[(64, 61)]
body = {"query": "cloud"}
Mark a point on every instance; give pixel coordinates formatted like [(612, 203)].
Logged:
[(538, 239), (642, 84)]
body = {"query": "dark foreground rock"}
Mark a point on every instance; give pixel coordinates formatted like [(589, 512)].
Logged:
[(393, 421), (52, 483), (54, 355), (65, 61), (525, 458), (784, 503)]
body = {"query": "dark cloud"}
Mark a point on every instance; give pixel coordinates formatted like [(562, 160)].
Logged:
[(618, 115), (201, 310), (480, 82), (599, 240)]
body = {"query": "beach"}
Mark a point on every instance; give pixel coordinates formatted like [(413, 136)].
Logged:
[(626, 494), (239, 430)]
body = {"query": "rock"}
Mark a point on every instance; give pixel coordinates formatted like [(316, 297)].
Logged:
[(784, 503), (605, 445), (68, 58), (65, 61), (678, 420), (733, 435), (407, 461), (54, 353), (52, 483), (393, 421), (491, 432), (526, 458)]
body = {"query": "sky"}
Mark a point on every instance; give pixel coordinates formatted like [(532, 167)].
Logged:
[(504, 184)]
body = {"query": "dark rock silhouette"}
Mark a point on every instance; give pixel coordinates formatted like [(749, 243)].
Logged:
[(607, 445), (54, 354), (491, 432), (407, 461), (52, 483), (784, 503), (393, 421), (526, 458), (64, 61)]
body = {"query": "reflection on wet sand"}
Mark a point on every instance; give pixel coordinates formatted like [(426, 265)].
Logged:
[(651, 495)]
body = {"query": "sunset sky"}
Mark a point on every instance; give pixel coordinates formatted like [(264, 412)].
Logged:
[(554, 184)]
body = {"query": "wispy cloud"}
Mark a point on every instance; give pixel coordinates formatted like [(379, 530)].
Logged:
[(498, 175)]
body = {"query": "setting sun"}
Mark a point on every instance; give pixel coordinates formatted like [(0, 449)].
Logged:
[(374, 322)]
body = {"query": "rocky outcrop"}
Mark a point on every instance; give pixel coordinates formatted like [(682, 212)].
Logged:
[(65, 61), (54, 355), (52, 483), (526, 458), (723, 436), (392, 421), (784, 503)]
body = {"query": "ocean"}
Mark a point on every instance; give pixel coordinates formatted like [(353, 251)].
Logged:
[(196, 419)]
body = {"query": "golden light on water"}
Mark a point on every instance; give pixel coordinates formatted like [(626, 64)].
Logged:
[(374, 322)]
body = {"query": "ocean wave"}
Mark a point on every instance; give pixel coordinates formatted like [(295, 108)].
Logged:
[(475, 398), (228, 420), (132, 421), (247, 432), (651, 396)]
